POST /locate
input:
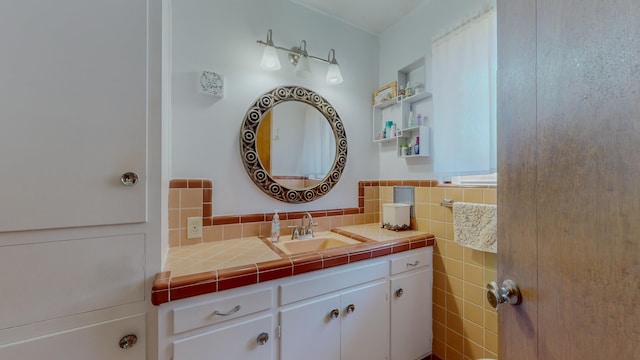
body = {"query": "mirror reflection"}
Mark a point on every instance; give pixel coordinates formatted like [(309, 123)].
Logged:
[(296, 145)]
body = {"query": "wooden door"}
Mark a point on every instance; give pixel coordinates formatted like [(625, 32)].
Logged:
[(568, 193)]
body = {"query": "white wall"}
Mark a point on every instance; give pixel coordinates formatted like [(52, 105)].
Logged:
[(404, 43), (220, 35)]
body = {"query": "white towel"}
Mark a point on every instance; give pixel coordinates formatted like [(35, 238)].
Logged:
[(475, 226)]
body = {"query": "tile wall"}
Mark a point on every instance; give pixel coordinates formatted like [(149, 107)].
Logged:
[(465, 326)]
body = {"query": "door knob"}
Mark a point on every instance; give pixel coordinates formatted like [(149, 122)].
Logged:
[(262, 338), (127, 341), (508, 293), (129, 179), (334, 314)]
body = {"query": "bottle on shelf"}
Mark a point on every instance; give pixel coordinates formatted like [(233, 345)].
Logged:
[(387, 129), (416, 150), (404, 150), (401, 92), (408, 91), (410, 122), (419, 120)]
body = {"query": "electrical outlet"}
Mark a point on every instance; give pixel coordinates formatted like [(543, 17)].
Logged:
[(194, 227)]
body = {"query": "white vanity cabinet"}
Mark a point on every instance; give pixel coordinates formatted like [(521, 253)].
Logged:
[(337, 315), (234, 324), (349, 325), (411, 305), (348, 312)]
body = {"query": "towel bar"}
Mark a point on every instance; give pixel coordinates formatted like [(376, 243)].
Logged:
[(446, 203)]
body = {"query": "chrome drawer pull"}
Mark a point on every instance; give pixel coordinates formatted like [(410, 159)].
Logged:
[(230, 312), (415, 263)]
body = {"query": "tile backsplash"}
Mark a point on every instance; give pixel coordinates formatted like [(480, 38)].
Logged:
[(465, 326)]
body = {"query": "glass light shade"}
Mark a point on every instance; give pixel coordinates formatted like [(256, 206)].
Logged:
[(270, 59), (334, 76), (303, 69)]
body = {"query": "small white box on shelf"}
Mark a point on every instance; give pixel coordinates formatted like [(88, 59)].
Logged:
[(396, 216)]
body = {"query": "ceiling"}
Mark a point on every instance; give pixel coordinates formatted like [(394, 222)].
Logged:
[(374, 16)]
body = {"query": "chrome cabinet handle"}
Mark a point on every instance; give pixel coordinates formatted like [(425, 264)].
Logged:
[(129, 179), (351, 308), (230, 312), (334, 314), (508, 293), (262, 338), (127, 341), (415, 263), (399, 292)]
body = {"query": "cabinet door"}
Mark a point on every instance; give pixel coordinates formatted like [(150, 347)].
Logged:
[(310, 332), (74, 112), (95, 342), (411, 328), (238, 341), (365, 328)]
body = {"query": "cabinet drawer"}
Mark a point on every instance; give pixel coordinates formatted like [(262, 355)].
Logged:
[(414, 260), (249, 340), (96, 342), (60, 278), (220, 309), (334, 281)]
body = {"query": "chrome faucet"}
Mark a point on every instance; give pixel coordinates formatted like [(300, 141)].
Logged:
[(305, 231)]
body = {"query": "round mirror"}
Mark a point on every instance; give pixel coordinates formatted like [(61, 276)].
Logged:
[(293, 144)]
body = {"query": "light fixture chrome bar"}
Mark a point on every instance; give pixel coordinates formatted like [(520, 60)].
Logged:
[(298, 56), (293, 51)]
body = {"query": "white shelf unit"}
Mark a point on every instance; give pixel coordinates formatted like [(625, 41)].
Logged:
[(409, 135), (398, 110)]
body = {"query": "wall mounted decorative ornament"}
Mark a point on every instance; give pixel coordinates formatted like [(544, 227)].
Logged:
[(211, 83), (249, 153)]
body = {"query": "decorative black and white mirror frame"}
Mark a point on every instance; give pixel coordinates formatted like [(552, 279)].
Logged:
[(249, 153)]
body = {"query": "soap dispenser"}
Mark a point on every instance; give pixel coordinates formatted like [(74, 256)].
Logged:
[(275, 228)]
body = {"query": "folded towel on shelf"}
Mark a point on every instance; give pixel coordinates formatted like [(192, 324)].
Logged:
[(475, 226)]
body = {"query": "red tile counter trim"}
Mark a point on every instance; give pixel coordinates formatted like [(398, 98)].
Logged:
[(167, 288)]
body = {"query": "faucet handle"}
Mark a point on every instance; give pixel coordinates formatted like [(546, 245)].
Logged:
[(295, 233)]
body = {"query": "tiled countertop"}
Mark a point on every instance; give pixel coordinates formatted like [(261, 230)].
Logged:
[(206, 268)]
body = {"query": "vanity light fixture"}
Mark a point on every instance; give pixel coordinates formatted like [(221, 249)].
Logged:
[(333, 73), (270, 59), (299, 57)]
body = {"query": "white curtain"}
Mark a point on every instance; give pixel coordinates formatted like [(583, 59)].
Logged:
[(319, 147), (464, 98)]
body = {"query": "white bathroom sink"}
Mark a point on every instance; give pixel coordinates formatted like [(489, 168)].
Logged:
[(320, 242), (297, 246)]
